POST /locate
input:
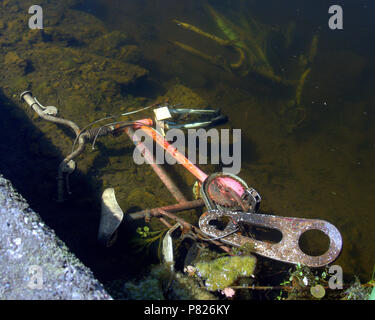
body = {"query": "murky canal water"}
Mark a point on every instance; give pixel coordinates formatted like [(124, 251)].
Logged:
[(306, 109)]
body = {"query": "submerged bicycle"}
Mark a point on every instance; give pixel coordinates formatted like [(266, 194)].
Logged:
[(224, 195)]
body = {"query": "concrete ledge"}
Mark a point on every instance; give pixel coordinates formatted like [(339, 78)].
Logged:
[(34, 263)]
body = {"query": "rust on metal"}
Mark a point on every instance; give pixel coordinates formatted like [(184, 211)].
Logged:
[(172, 208), (288, 249), (168, 182)]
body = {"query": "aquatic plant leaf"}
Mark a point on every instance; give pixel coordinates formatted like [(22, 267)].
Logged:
[(168, 246), (111, 216)]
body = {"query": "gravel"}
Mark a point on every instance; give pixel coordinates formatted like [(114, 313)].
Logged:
[(34, 263)]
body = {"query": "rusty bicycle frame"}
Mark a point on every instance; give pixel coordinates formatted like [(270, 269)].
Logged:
[(286, 250)]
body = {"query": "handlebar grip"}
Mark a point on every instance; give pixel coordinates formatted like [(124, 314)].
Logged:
[(27, 96)]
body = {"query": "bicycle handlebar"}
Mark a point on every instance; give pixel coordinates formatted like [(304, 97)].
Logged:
[(82, 138)]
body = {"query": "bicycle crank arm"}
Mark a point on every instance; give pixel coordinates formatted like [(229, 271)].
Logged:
[(288, 249)]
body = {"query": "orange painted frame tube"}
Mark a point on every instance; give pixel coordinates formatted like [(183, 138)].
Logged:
[(168, 182), (159, 139)]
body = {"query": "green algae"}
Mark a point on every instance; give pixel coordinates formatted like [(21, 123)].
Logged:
[(14, 63), (85, 83), (223, 272), (251, 38), (223, 25), (160, 284)]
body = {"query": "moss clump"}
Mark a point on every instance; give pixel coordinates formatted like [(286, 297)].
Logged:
[(15, 64), (160, 284), (12, 58), (357, 292), (223, 272)]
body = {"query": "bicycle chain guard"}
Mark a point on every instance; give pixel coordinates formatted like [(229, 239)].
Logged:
[(228, 196)]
